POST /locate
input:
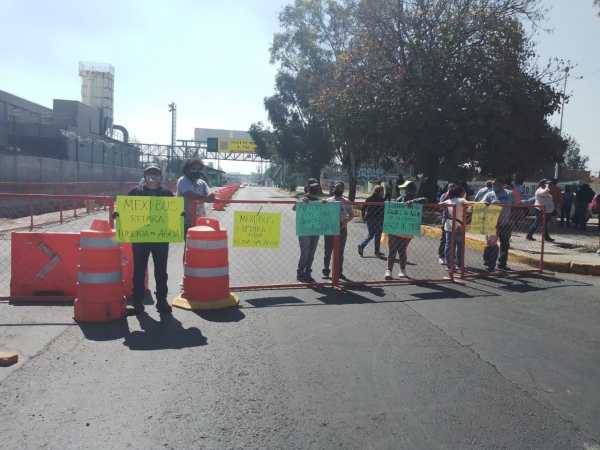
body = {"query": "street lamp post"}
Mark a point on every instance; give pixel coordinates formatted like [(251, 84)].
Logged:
[(173, 111), (562, 112)]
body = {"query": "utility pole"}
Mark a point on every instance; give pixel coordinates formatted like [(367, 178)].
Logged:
[(562, 112), (173, 111)]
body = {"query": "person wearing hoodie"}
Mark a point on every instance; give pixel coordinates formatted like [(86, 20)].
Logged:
[(152, 186)]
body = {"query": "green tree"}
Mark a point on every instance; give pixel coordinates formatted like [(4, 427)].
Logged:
[(573, 159), (453, 82)]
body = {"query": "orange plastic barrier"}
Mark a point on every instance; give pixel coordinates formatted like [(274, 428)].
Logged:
[(206, 272), (100, 294), (43, 266), (224, 194)]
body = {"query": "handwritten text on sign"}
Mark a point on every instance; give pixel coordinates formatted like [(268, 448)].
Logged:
[(317, 218), (402, 220), (256, 229), (484, 219), (149, 219)]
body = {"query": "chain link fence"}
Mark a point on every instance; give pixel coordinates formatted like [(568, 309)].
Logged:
[(43, 214), (516, 243)]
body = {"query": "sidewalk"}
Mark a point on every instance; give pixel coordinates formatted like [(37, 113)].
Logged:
[(571, 251)]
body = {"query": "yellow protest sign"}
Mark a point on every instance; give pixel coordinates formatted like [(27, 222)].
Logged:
[(253, 229), (484, 218), (149, 219)]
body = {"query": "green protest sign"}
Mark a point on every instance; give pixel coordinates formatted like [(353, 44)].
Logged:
[(402, 220), (149, 219), (317, 218)]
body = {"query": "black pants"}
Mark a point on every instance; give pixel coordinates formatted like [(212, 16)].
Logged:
[(329, 250), (160, 255), (504, 233), (442, 246)]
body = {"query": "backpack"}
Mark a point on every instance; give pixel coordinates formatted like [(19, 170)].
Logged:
[(595, 204)]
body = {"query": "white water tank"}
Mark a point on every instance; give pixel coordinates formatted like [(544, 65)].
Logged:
[(97, 90)]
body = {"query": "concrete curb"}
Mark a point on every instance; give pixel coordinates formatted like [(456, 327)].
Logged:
[(553, 265)]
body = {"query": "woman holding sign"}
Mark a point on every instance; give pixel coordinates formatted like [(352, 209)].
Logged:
[(398, 245), (159, 250)]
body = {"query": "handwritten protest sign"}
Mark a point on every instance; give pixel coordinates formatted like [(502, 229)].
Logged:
[(402, 220), (149, 219), (317, 218), (484, 218), (253, 229)]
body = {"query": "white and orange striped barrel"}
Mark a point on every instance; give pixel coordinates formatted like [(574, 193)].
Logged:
[(100, 294)]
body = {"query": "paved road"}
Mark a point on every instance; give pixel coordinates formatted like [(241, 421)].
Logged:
[(498, 363)]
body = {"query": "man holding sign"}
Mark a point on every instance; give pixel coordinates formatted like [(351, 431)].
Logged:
[(151, 187)]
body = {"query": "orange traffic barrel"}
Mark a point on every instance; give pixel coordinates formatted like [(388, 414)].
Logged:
[(206, 271), (100, 294)]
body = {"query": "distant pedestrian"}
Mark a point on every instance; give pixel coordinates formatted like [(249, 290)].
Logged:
[(308, 244), (455, 213), (372, 214), (442, 245), (556, 196), (194, 190), (503, 197), (484, 190), (398, 245), (152, 186), (346, 215), (544, 207), (583, 196), (567, 205)]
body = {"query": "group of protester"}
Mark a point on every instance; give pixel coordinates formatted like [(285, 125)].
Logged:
[(547, 202)]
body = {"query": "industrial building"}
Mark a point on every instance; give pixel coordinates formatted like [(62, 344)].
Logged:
[(78, 134)]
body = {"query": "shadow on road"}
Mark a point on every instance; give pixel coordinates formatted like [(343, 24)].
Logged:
[(528, 283), (168, 333), (222, 315)]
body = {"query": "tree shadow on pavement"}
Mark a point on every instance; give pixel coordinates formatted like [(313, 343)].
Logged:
[(168, 333), (222, 315)]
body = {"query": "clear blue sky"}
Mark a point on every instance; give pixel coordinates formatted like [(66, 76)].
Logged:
[(212, 59)]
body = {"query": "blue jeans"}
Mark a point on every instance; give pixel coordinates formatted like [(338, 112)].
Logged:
[(375, 230), (537, 222), (458, 247)]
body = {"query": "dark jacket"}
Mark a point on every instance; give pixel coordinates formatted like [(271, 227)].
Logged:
[(144, 191), (373, 213)]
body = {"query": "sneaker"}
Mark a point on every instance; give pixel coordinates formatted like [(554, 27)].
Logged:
[(402, 274), (490, 268), (504, 268), (549, 239), (343, 277), (326, 273), (361, 251), (379, 255), (163, 307), (442, 261), (300, 278), (138, 308), (530, 238), (309, 279), (388, 275)]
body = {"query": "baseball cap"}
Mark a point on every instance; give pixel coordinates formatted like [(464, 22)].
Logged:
[(152, 168)]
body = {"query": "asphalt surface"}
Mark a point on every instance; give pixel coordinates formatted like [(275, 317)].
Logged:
[(499, 363)]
